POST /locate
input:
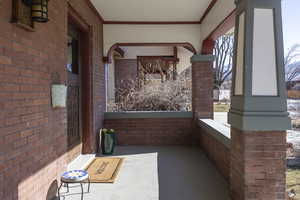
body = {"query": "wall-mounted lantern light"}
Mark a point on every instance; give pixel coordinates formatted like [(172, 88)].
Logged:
[(39, 10)]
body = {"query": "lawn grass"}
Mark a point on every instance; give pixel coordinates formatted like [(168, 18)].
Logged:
[(293, 181), (221, 107)]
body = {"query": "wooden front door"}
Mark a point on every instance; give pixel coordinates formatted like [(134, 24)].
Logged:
[(74, 88)]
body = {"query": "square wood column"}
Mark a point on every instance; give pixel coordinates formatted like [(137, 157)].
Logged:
[(258, 113)]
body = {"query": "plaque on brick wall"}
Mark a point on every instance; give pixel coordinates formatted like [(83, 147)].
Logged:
[(21, 14)]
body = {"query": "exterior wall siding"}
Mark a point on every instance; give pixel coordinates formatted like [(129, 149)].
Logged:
[(33, 136)]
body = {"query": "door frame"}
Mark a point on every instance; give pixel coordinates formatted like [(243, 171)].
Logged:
[(86, 77)]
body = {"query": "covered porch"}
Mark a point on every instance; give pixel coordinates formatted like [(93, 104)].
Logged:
[(157, 173), (250, 153), (168, 155)]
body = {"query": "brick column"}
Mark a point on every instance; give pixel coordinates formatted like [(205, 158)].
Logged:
[(257, 168), (258, 113), (202, 86)]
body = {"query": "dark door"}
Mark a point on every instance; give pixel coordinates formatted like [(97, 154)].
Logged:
[(74, 89)]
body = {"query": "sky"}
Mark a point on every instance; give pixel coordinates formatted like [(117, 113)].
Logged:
[(291, 22)]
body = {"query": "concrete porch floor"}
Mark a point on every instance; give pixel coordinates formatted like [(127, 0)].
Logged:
[(158, 173)]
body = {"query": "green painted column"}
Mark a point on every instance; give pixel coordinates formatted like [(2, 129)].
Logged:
[(258, 113), (258, 89)]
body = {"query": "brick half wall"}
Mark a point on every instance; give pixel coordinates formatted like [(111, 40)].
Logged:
[(215, 142), (151, 128)]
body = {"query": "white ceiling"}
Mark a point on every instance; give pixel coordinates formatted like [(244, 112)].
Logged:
[(151, 10)]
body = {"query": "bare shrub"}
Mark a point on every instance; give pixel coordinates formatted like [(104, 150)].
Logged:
[(173, 95)]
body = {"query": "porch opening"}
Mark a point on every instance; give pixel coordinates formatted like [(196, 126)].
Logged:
[(149, 78)]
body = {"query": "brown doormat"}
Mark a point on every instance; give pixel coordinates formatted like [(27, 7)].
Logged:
[(104, 170)]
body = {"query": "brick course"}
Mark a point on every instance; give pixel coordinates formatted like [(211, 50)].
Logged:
[(155, 131), (202, 89), (216, 151), (125, 69), (258, 165), (33, 136)]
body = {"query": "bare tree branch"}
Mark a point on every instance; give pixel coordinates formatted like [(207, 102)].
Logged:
[(223, 52), (292, 64)]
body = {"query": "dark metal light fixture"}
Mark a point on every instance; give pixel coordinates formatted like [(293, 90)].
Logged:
[(39, 10), (27, 2)]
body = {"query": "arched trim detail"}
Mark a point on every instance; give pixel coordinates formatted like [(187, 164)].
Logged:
[(117, 46)]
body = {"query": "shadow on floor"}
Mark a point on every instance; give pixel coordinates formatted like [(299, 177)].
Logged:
[(184, 173)]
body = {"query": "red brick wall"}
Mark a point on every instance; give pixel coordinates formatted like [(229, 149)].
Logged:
[(202, 89), (98, 104), (33, 138), (155, 131), (125, 69), (216, 151), (258, 164)]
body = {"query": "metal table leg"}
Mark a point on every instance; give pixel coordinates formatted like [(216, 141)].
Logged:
[(81, 191), (59, 190), (67, 184), (89, 182)]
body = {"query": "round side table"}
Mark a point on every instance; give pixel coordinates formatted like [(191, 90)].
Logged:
[(74, 176)]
